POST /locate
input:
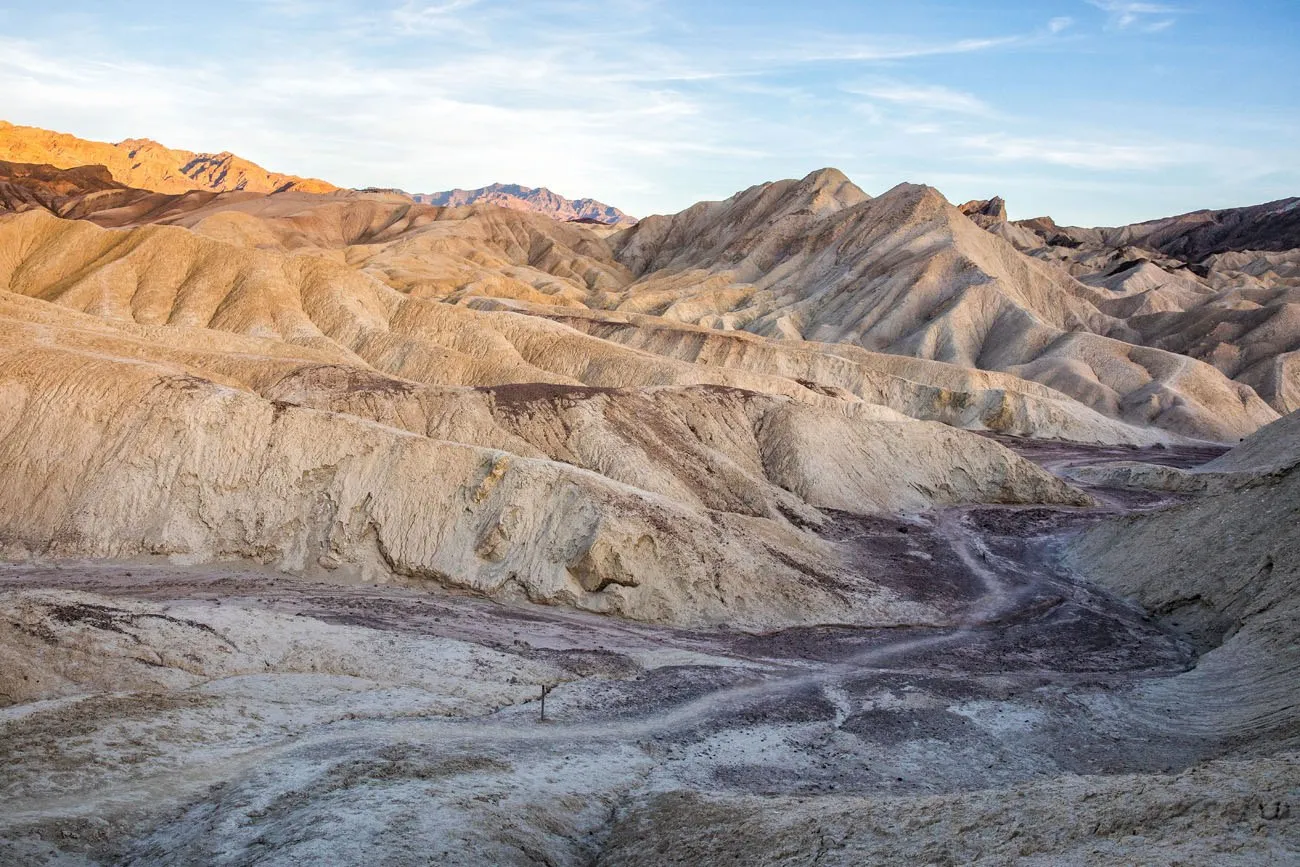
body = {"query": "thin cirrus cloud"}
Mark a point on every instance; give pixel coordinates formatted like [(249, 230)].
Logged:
[(415, 17), (923, 97), (1131, 15), (477, 118), (828, 49), (1073, 153)]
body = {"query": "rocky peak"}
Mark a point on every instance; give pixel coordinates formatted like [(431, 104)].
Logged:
[(994, 208)]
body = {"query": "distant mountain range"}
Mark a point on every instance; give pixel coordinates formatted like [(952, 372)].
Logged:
[(538, 200), (144, 164), (147, 165)]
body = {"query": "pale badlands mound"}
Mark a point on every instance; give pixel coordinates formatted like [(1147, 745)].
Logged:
[(125, 457), (775, 260), (1224, 570), (800, 261), (173, 277), (907, 273), (189, 398), (355, 385), (1219, 286), (146, 164), (1271, 450)]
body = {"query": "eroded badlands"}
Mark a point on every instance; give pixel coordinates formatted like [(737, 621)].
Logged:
[(842, 529)]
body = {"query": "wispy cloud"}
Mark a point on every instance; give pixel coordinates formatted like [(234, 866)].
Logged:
[(1143, 16), (926, 97), (828, 48), (537, 115), (415, 16), (1078, 153)]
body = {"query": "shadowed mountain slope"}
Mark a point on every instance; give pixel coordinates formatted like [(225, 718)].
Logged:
[(24, 186)]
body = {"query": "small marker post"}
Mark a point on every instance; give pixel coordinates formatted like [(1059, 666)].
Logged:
[(546, 689)]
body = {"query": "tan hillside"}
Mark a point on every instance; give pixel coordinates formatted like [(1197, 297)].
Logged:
[(1035, 321), (907, 273), (445, 344), (1238, 601), (148, 165), (812, 260)]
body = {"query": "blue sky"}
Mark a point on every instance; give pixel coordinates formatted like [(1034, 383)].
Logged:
[(1094, 111)]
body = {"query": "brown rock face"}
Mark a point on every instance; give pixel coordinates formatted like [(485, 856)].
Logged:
[(994, 208)]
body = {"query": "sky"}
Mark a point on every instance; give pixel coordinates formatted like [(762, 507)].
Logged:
[(1097, 112)]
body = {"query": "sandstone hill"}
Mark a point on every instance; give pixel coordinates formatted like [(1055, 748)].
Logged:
[(24, 186), (819, 260), (1225, 571), (907, 273), (1017, 315), (148, 165), (537, 200), (171, 394), (986, 308), (482, 255)]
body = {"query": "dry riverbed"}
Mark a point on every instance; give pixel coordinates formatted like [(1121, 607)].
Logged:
[(161, 715)]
